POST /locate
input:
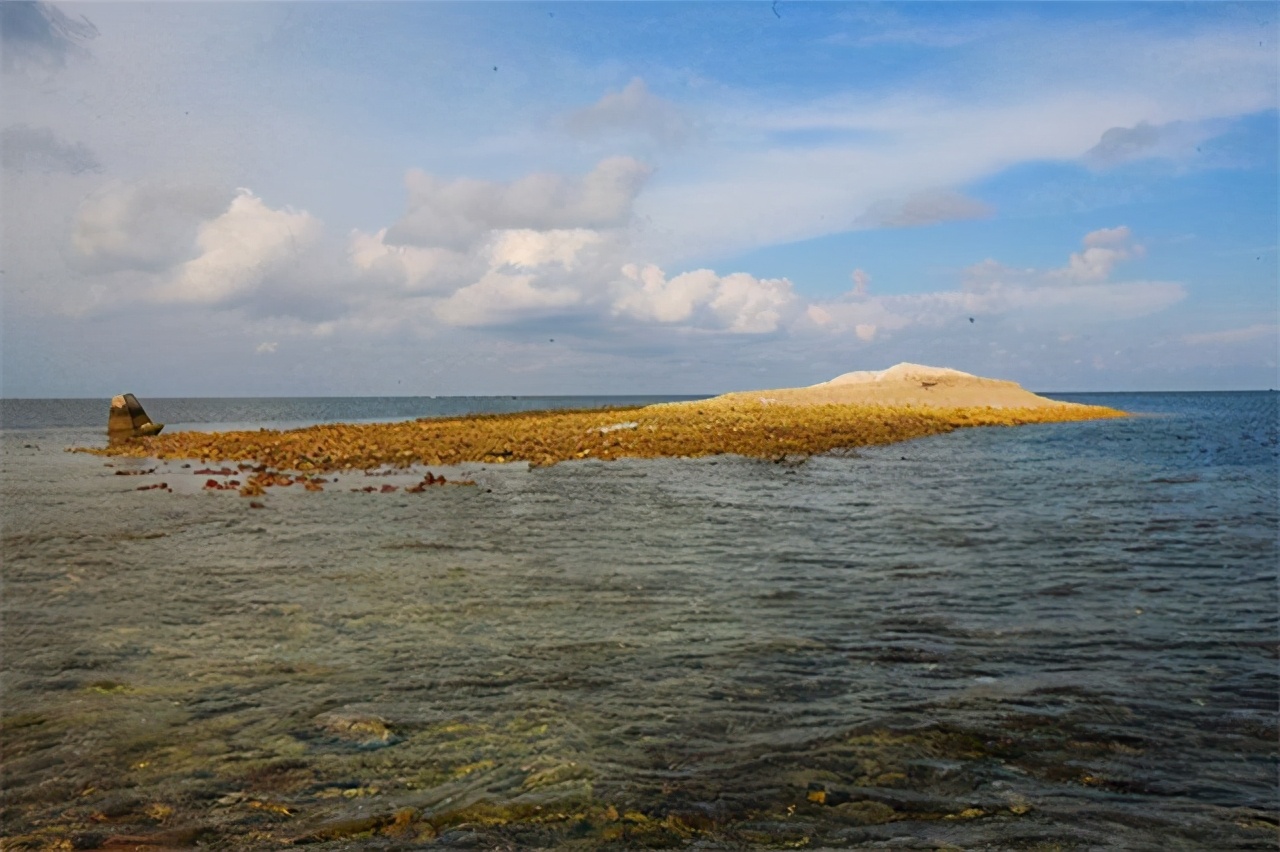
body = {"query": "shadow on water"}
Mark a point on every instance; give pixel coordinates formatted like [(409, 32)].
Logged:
[(1060, 636)]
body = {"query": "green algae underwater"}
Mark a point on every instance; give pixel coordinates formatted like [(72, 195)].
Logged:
[(985, 638)]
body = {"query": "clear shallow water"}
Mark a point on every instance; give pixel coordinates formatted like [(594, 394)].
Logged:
[(1059, 636)]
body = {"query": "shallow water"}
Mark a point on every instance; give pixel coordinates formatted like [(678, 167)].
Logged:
[(1055, 636)]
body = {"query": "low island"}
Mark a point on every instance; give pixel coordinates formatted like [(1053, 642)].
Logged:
[(853, 410)]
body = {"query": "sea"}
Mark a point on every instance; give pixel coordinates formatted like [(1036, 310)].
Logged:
[(1057, 636)]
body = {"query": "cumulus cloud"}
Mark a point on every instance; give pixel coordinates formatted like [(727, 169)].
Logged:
[(192, 247), (1108, 237), (410, 268), (522, 275), (202, 247), (499, 298), (39, 149), (529, 249), (273, 262), (180, 245), (738, 303), (454, 214), (925, 208), (1103, 250), (510, 276), (147, 225), (646, 294), (635, 109), (241, 249), (749, 305)]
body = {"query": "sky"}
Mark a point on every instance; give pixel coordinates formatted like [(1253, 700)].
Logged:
[(337, 199)]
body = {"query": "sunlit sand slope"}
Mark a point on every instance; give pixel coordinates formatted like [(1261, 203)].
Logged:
[(909, 384)]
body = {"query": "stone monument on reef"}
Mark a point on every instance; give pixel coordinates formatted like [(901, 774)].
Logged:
[(128, 420)]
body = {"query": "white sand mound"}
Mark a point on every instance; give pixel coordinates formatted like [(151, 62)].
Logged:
[(898, 372), (906, 384)]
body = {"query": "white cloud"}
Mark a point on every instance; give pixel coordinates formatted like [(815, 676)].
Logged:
[(455, 213), (903, 150), (512, 276), (145, 225), (499, 298), (737, 303), (633, 110), (529, 249), (267, 348), (647, 295), (1103, 249), (273, 262), (241, 249), (412, 269), (1079, 292), (749, 305), (1108, 237), (818, 316), (1028, 99), (1081, 304)]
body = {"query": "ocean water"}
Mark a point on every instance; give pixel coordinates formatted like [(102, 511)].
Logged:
[(1050, 637)]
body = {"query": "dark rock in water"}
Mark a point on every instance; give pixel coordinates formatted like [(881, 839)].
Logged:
[(128, 420)]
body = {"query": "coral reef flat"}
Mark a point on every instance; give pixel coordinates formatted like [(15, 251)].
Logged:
[(762, 424)]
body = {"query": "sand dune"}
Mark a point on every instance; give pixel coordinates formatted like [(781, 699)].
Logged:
[(906, 384)]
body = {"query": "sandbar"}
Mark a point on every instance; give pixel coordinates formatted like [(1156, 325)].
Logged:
[(853, 410)]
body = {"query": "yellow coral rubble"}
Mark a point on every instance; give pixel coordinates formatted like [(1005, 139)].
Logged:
[(690, 429)]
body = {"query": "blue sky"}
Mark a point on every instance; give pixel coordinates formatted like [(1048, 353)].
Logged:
[(433, 198)]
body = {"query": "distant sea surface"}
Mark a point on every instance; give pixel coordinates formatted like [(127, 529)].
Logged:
[(1051, 636)]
